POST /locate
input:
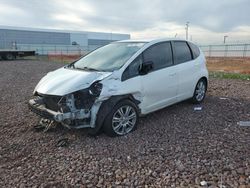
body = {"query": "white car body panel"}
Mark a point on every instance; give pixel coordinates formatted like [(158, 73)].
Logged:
[(187, 73), (160, 88), (64, 81)]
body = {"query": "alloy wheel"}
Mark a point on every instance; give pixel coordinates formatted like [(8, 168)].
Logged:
[(200, 91), (124, 120)]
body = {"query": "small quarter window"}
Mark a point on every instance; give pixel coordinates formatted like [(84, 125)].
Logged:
[(133, 69)]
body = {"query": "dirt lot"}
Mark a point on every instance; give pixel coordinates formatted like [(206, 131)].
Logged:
[(176, 146), (232, 65)]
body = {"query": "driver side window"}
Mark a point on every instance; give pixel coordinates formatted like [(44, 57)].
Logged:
[(160, 54), (133, 69)]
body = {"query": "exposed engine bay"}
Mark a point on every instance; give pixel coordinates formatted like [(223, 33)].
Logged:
[(76, 110)]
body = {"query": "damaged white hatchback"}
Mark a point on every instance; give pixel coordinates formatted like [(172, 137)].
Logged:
[(112, 86)]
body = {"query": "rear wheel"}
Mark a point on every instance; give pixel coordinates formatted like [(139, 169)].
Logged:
[(122, 120), (9, 56), (200, 91)]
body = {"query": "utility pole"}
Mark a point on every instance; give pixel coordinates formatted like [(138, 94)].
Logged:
[(225, 37), (187, 27), (111, 35), (175, 35)]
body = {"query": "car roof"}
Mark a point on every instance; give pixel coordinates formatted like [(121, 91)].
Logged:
[(152, 40)]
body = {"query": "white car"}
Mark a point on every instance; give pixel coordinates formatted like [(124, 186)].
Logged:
[(112, 86)]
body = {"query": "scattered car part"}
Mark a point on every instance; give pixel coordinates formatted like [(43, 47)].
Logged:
[(204, 183), (244, 123), (45, 124), (223, 98), (199, 108), (63, 142), (38, 127)]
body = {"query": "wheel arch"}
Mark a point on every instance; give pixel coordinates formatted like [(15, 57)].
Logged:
[(205, 79), (109, 104)]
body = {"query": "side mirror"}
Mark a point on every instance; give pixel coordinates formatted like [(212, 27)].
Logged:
[(146, 67)]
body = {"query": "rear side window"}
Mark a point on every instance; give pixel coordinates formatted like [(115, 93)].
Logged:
[(159, 54), (182, 52)]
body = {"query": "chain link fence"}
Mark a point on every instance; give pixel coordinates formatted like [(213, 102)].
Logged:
[(227, 50)]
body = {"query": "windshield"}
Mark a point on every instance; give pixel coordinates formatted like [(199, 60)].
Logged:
[(108, 58)]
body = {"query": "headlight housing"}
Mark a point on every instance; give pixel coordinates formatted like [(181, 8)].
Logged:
[(95, 89)]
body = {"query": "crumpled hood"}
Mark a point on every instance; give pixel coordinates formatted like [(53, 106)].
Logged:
[(64, 81)]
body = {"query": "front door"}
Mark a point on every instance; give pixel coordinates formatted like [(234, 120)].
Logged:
[(160, 84)]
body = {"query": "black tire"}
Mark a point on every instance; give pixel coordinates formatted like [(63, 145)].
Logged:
[(9, 56), (94, 131), (198, 95), (108, 125)]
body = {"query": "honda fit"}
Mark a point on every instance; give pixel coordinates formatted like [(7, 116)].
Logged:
[(111, 87)]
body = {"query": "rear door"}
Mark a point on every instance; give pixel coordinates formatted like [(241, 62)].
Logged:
[(160, 84), (187, 69)]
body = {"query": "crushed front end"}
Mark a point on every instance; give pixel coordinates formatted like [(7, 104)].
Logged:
[(76, 110)]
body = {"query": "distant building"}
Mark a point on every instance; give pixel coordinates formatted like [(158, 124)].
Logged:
[(28, 38)]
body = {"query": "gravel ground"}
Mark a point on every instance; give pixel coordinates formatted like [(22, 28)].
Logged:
[(176, 146)]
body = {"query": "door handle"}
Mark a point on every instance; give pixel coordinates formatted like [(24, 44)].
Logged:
[(173, 74)]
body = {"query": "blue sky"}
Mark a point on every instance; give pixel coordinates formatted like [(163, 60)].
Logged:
[(209, 20)]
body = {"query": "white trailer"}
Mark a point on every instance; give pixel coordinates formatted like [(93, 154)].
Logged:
[(11, 54)]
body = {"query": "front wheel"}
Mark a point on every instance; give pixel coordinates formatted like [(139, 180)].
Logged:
[(122, 119), (200, 91)]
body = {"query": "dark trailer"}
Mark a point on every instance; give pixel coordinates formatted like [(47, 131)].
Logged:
[(11, 54)]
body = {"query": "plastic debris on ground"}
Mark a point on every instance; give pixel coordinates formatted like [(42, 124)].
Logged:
[(223, 98), (38, 127), (244, 123), (199, 108), (45, 125), (203, 183), (63, 142)]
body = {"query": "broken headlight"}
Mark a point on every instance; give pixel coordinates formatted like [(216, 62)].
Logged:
[(83, 99), (95, 89)]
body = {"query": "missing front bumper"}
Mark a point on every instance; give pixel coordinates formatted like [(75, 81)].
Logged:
[(37, 106)]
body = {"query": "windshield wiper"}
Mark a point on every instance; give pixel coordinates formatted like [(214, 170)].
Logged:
[(89, 69), (71, 65), (84, 68)]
